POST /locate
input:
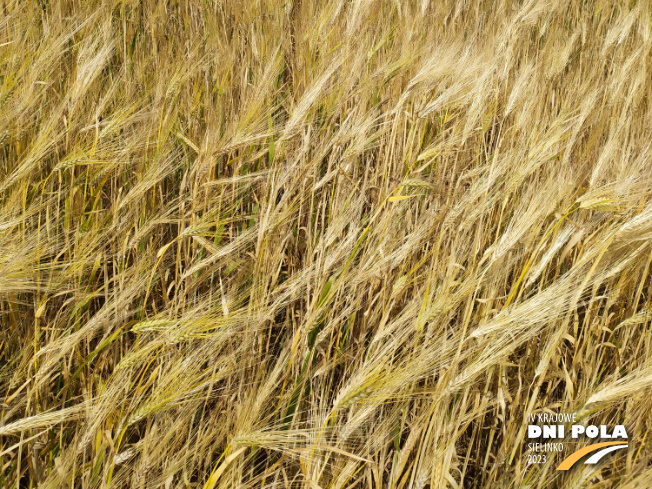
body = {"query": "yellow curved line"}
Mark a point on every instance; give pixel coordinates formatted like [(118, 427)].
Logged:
[(574, 457)]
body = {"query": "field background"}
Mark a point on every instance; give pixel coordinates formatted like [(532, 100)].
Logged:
[(322, 244)]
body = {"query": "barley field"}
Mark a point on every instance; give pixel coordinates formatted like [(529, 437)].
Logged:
[(338, 244)]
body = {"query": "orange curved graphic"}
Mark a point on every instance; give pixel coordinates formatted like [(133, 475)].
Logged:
[(574, 457)]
